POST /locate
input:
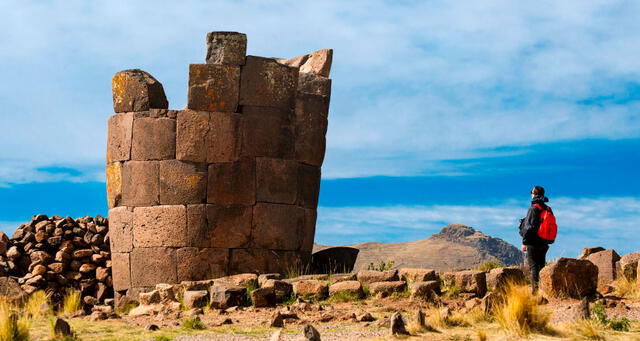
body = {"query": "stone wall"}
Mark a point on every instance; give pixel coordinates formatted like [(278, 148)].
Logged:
[(228, 185)]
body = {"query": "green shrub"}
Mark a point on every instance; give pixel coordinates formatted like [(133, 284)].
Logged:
[(490, 265), (617, 324), (193, 323), (382, 266)]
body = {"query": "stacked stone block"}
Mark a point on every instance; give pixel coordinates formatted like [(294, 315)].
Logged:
[(228, 185)]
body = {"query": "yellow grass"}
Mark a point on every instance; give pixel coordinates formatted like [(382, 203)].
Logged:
[(436, 319), (71, 302), (12, 327), (519, 314), (38, 305), (587, 329), (627, 288), (482, 335)]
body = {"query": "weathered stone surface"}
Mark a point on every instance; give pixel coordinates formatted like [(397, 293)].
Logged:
[(182, 182), (228, 48), (469, 281), (213, 87), (61, 328), (499, 278), (121, 229), (384, 289), (120, 271), (397, 325), (4, 243), (424, 289), (606, 263), (263, 297), (629, 265), (248, 260), (224, 138), (11, 291), (160, 226), (267, 83), (569, 277), (309, 231), (310, 83), (201, 263), (371, 276), (279, 226), (195, 299), (153, 139), (311, 333), (589, 250), (119, 133), (191, 135), (136, 90), (276, 180), (311, 128), (268, 132), (308, 186), (232, 183), (282, 289), (263, 278), (149, 298), (167, 292), (417, 275), (318, 62), (223, 297), (140, 183), (114, 184), (150, 266), (348, 287), (311, 288), (243, 280), (228, 226)]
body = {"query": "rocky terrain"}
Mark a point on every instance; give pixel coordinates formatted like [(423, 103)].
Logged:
[(456, 246)]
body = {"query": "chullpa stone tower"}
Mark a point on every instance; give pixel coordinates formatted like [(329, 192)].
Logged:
[(228, 185)]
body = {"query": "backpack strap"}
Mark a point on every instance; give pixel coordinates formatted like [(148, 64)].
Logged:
[(538, 206)]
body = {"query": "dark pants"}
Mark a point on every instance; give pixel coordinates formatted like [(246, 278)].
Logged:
[(536, 255)]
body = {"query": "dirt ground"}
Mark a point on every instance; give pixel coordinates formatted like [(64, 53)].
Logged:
[(335, 321)]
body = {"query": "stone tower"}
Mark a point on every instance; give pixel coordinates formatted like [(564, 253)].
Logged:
[(228, 185)]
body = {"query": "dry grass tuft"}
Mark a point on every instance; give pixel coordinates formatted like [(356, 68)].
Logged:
[(71, 302), (482, 335), (587, 329), (12, 327), (627, 288), (38, 305), (437, 319), (519, 314)]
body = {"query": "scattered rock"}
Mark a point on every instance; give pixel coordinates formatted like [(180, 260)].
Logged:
[(470, 281), (499, 278), (417, 275), (263, 297), (152, 327), (347, 287), (311, 288), (223, 297), (277, 320), (311, 333), (195, 299), (62, 328), (606, 262), (98, 316), (569, 277), (365, 317), (629, 265), (371, 276), (262, 279), (149, 298), (424, 290), (282, 289), (384, 289), (397, 325)]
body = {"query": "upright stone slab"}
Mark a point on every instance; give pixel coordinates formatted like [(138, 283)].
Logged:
[(606, 262), (229, 184)]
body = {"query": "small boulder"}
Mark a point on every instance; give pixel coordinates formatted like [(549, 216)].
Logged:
[(282, 289), (311, 333), (195, 299), (397, 325), (365, 317), (262, 279), (353, 288), (167, 292), (246, 280), (372, 276), (606, 262), (226, 296), (137, 90), (311, 288), (499, 278), (263, 297), (569, 277), (62, 328), (277, 321), (470, 281), (384, 289), (417, 275), (424, 289), (629, 265), (149, 298)]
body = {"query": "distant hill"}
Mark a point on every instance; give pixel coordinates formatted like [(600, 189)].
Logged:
[(455, 247)]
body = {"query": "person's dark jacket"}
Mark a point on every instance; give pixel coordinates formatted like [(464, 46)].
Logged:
[(531, 223)]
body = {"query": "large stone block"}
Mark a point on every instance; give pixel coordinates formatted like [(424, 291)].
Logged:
[(182, 182), (114, 184), (227, 296), (569, 277), (150, 266), (119, 132), (136, 90), (318, 62), (384, 289), (191, 135), (224, 139), (372, 276), (311, 128), (309, 230), (153, 139), (470, 281), (629, 264), (140, 183), (606, 263), (311, 288), (213, 87), (196, 264), (157, 226), (229, 48), (308, 186), (500, 278), (229, 226), (268, 132), (310, 83), (249, 260), (276, 180), (232, 183), (120, 271), (198, 231), (278, 227), (121, 229), (265, 82), (417, 275)]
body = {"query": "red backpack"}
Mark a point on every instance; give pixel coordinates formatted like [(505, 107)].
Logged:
[(548, 227)]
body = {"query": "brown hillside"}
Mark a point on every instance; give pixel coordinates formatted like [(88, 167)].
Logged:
[(455, 247)]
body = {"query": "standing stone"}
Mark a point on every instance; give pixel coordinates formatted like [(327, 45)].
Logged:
[(424, 290), (263, 297), (569, 277), (606, 263), (191, 133), (310, 333), (62, 328), (153, 139), (182, 182), (223, 297), (397, 325), (265, 82), (213, 87), (136, 90), (282, 289), (195, 299), (348, 287), (228, 48), (470, 281), (499, 278), (384, 289)]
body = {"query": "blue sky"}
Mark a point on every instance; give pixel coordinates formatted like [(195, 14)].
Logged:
[(441, 111)]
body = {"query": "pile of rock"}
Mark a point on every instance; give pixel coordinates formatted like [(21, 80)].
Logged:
[(56, 254)]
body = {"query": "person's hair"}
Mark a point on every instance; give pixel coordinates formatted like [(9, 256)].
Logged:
[(538, 191)]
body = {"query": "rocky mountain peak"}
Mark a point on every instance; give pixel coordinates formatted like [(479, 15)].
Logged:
[(454, 232)]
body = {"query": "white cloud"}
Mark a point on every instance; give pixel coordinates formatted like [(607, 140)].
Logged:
[(583, 222), (414, 82)]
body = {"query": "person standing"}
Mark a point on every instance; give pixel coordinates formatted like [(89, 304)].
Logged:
[(538, 230)]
